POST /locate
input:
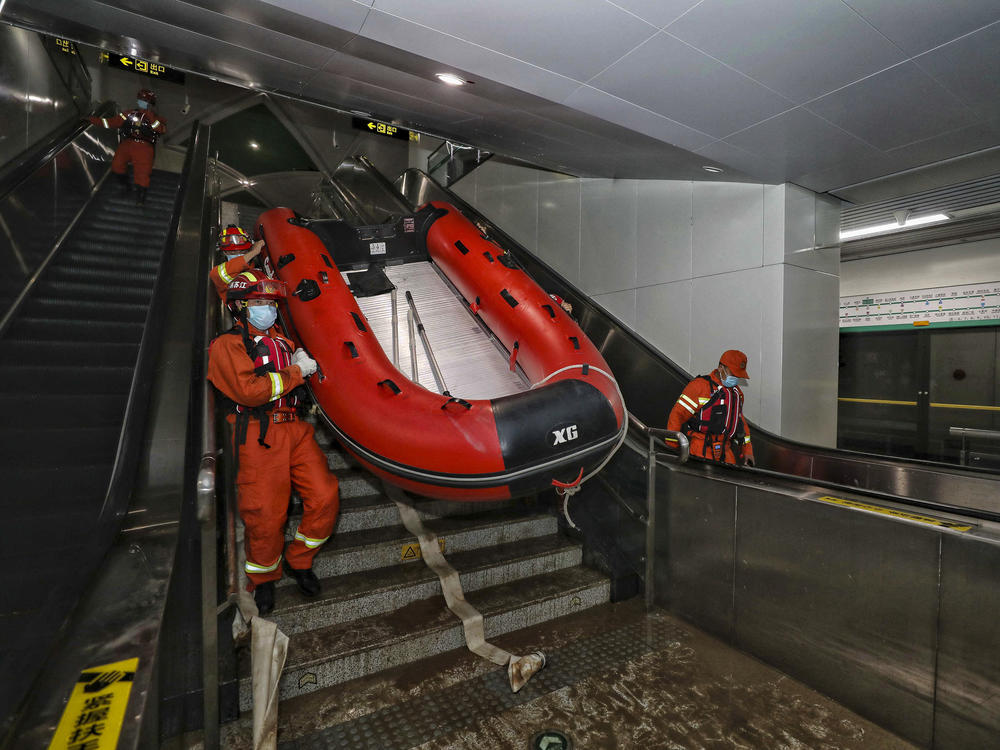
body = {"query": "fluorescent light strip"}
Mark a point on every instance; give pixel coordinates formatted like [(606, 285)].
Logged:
[(893, 226)]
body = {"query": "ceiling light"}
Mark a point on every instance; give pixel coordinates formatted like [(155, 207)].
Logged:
[(254, 145), (894, 226), (451, 79), (714, 170)]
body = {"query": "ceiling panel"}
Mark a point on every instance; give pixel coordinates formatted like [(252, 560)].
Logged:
[(800, 49), (976, 137), (677, 81), (657, 12), (467, 58), (729, 156), (895, 107), (591, 34), (919, 25), (601, 104), (220, 27), (342, 14), (970, 68), (345, 18), (800, 142)]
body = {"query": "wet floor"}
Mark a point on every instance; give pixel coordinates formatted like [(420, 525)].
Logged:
[(616, 677)]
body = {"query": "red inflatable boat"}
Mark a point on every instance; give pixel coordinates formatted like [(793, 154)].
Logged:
[(442, 446)]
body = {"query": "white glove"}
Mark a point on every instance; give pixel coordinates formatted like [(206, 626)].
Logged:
[(306, 363)]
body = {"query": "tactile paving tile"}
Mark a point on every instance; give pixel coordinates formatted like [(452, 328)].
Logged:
[(461, 706)]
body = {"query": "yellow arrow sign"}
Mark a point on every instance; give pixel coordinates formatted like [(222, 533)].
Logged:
[(125, 61), (371, 126)]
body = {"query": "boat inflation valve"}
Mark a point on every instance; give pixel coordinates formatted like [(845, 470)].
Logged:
[(307, 290)]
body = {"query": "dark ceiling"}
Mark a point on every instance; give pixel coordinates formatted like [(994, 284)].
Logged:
[(853, 97)]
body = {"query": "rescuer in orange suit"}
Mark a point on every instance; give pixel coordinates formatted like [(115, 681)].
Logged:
[(239, 252), (138, 130), (710, 412), (256, 370)]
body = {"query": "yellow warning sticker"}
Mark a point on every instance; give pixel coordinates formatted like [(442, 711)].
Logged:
[(905, 515), (92, 719), (411, 551)]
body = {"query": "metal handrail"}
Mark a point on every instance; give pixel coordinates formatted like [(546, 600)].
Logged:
[(21, 167), (970, 432), (435, 368)]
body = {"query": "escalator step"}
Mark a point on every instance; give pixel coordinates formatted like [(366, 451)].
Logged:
[(45, 410), (39, 352), (94, 290), (89, 309), (22, 447), (88, 274), (62, 487), (81, 330), (97, 258), (66, 379)]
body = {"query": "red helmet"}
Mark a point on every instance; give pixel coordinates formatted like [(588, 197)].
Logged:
[(233, 241), (147, 96), (253, 285)]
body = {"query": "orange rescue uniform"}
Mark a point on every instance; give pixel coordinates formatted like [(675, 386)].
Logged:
[(266, 476), (223, 273), (137, 150), (694, 396)]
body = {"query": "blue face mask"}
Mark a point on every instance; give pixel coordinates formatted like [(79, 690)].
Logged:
[(141, 104), (730, 381), (262, 317)]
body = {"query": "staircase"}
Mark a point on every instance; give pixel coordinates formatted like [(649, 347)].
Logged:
[(381, 607)]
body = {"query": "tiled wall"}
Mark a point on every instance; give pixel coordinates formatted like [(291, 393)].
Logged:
[(695, 268)]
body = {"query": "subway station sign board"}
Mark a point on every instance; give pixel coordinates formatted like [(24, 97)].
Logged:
[(383, 128), (143, 67), (940, 307)]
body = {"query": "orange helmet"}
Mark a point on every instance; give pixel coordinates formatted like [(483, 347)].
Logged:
[(147, 96), (233, 241), (253, 285)]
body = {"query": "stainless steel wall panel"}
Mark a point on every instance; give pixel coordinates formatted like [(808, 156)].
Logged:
[(968, 702), (693, 568), (842, 600)]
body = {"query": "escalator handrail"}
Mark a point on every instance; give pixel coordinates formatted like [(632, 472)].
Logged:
[(509, 243), (25, 164)]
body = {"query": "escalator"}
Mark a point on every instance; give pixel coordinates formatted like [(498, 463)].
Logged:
[(70, 376)]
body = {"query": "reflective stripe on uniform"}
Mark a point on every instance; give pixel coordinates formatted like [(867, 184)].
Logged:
[(277, 386), (104, 122), (703, 400), (221, 268), (255, 568), (746, 440), (308, 541), (687, 403), (155, 124)]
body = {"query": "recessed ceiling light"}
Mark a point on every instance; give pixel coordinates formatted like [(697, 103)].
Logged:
[(894, 226), (714, 170), (451, 79), (254, 145)]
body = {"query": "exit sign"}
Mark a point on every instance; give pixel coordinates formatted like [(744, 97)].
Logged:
[(383, 128)]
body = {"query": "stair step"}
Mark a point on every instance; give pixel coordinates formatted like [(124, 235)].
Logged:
[(378, 511), (358, 595), (96, 256), (36, 446), (37, 352), (45, 488), (59, 329), (47, 411), (341, 652), (94, 310), (81, 379), (91, 289), (366, 549)]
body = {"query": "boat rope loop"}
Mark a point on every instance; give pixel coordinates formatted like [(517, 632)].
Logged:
[(519, 668), (567, 489)]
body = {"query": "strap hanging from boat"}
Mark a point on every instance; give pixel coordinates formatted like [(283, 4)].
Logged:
[(456, 400), (461, 248), (576, 342), (513, 355), (390, 385), (486, 254), (284, 260), (508, 298), (352, 349), (358, 322), (552, 312), (519, 668)]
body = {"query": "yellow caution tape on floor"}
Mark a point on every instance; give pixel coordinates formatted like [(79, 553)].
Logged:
[(905, 515), (95, 711)]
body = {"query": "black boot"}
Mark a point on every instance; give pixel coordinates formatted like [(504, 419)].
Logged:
[(307, 581), (123, 180), (263, 594), (140, 196)]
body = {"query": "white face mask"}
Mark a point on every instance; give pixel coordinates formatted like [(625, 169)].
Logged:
[(141, 104), (262, 317)]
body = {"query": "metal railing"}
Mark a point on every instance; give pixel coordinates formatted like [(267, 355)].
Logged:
[(966, 433)]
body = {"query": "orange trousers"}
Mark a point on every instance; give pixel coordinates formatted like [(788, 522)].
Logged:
[(264, 482), (140, 154)]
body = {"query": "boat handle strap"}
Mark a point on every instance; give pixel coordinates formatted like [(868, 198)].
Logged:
[(391, 386), (456, 400)]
